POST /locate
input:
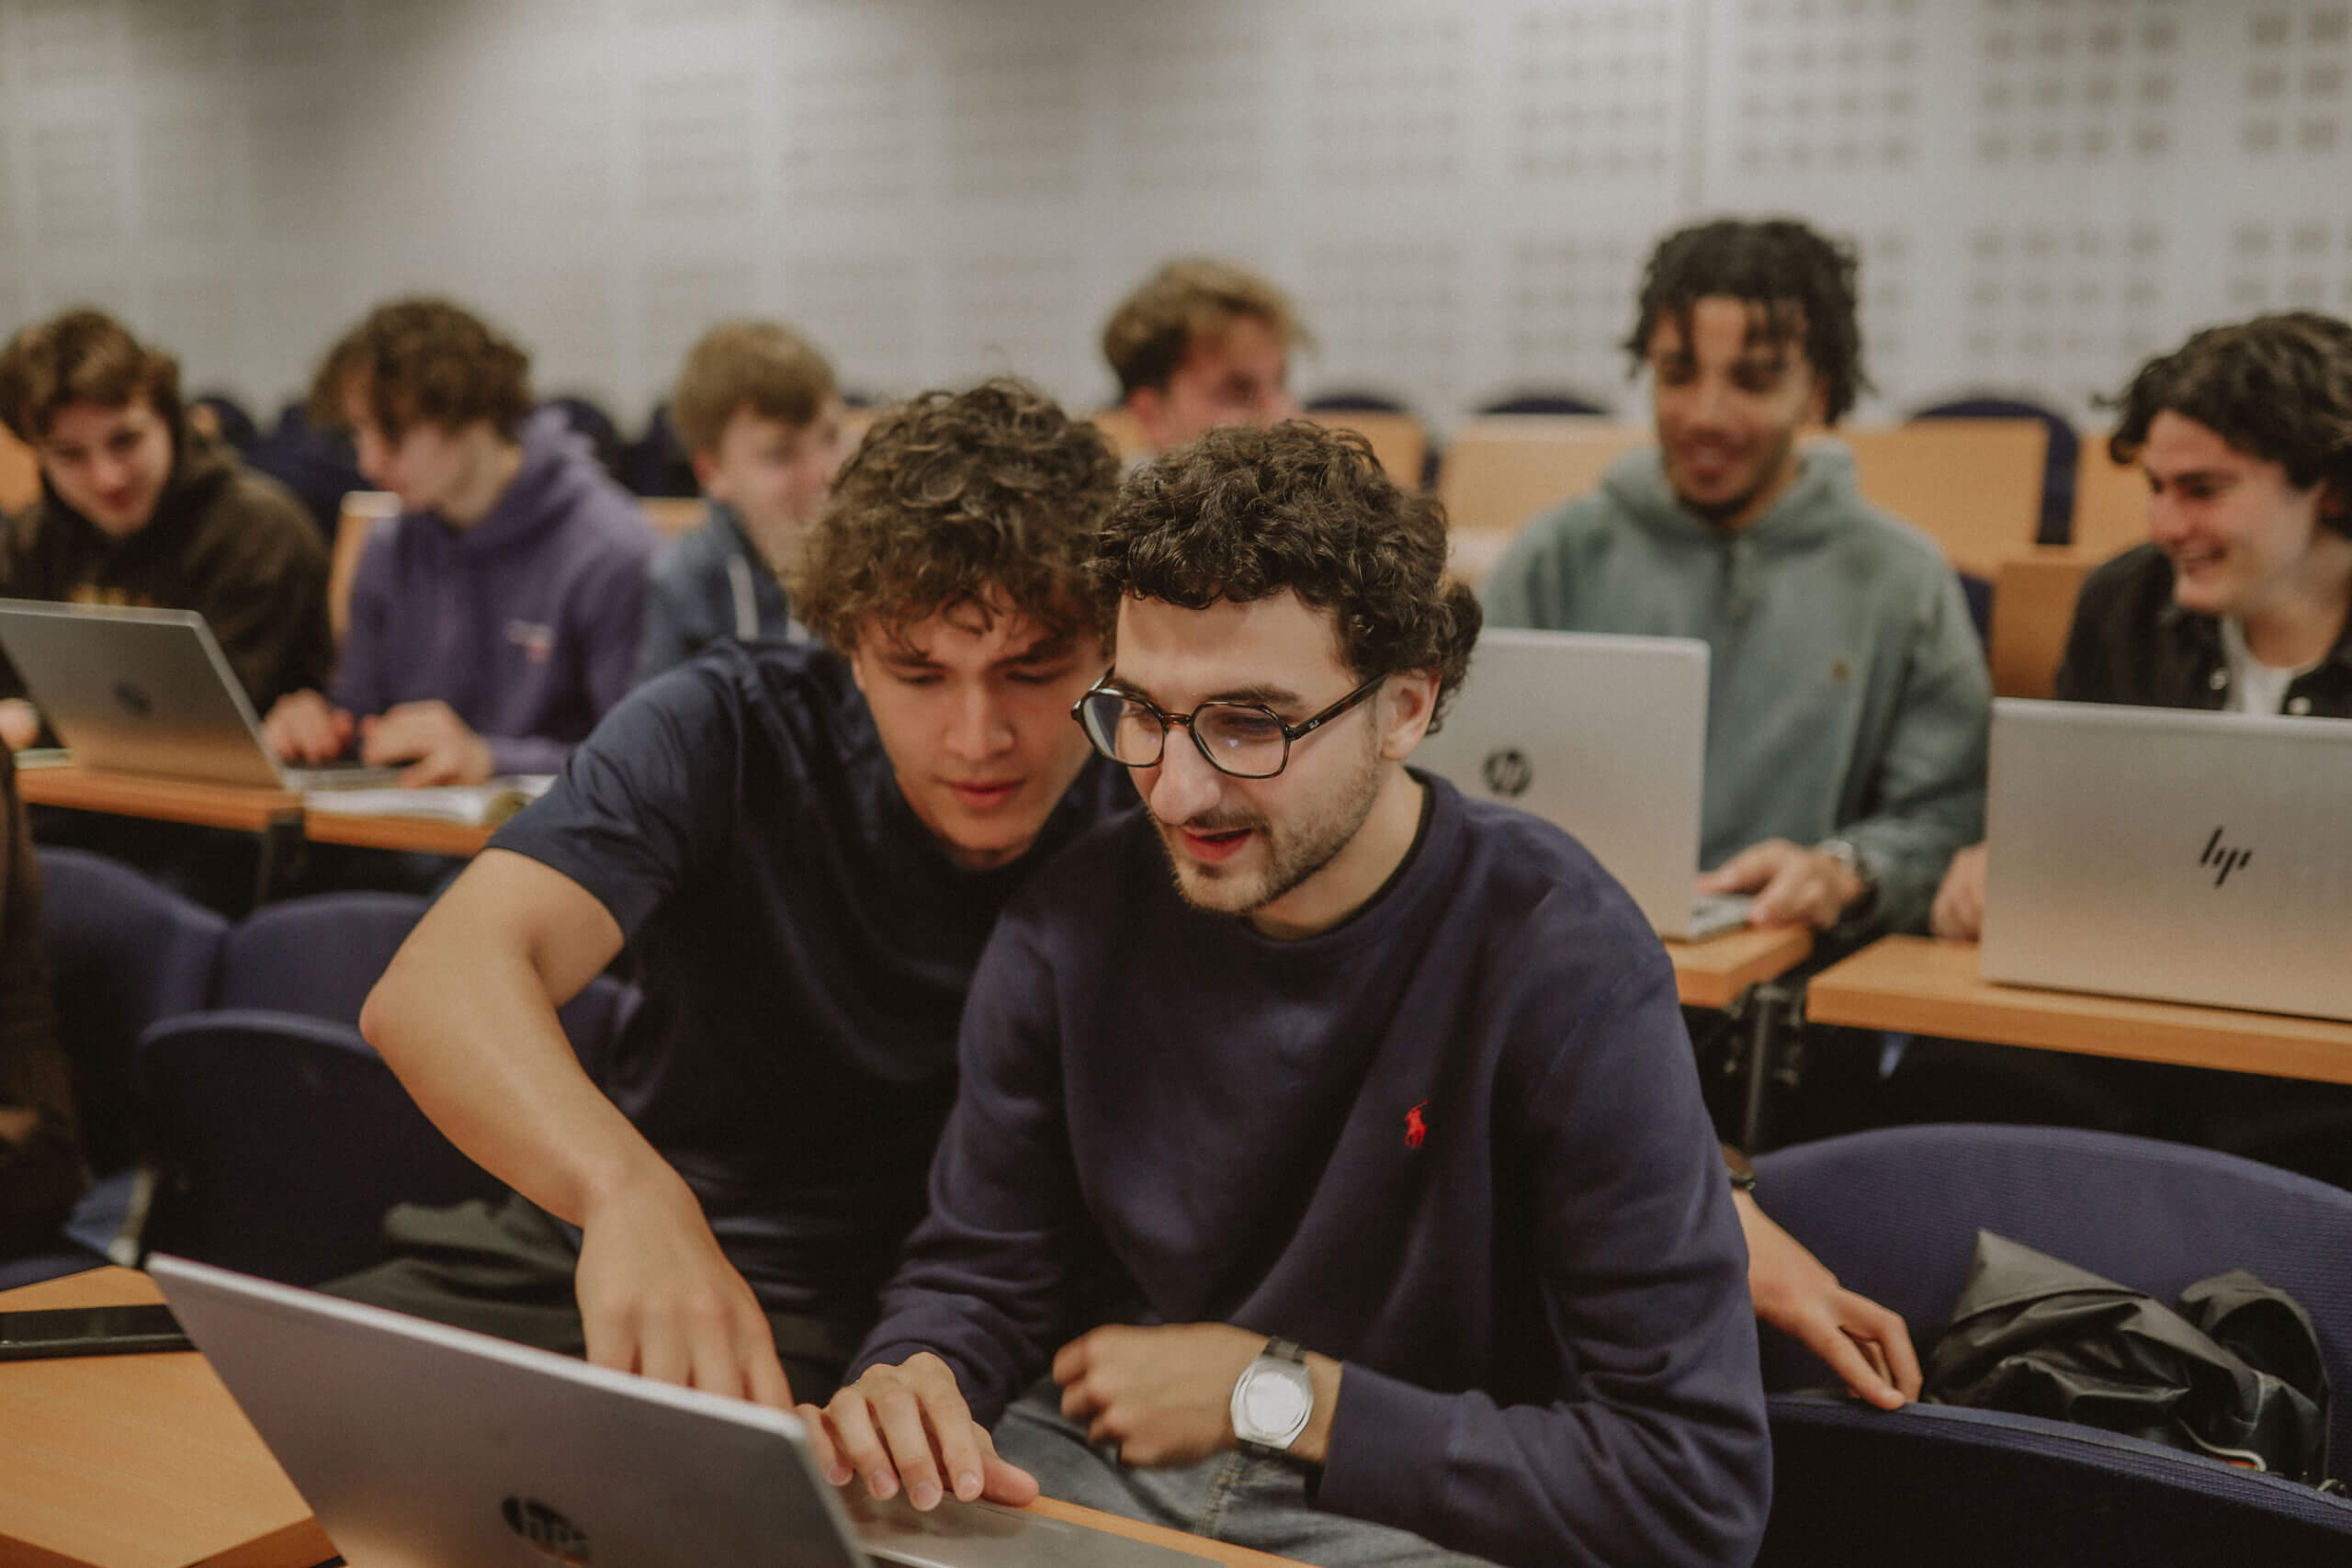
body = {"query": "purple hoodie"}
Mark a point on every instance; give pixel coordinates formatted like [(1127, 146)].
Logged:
[(526, 623)]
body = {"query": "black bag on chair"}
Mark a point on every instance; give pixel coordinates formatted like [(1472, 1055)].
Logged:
[(2235, 1372)]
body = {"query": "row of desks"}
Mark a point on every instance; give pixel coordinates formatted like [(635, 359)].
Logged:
[(239, 809)]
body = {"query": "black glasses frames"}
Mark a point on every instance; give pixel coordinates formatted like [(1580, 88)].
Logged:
[(1244, 740)]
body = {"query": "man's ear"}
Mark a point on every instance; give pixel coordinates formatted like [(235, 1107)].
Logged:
[(1148, 406), (1407, 704), (706, 466)]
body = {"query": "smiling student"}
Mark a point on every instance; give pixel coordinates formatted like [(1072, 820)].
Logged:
[(1848, 701), (804, 846), (1333, 1141), (137, 507), (2241, 600)]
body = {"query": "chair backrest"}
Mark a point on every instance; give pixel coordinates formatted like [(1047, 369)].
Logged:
[(1894, 1215), (1973, 485), (672, 514), (1556, 402), (1499, 472), (2033, 607), (19, 474), (2057, 513), (2110, 502), (281, 1141), (122, 954), (361, 510), (319, 956)]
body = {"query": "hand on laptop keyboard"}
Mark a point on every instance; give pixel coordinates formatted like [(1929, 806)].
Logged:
[(907, 1426)]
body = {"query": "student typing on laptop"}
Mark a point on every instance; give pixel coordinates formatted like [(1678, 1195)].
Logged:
[(1370, 1105), (805, 846), (2242, 598), (496, 619), (1846, 719), (137, 507)]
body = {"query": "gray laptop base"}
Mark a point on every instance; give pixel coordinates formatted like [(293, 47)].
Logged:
[(1605, 737), (416, 1443), (2178, 856)]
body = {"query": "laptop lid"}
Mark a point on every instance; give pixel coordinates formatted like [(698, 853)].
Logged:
[(137, 691), (1603, 736), (2179, 856), (416, 1443)]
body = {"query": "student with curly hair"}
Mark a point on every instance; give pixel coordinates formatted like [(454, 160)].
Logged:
[(1371, 1104), (496, 619), (1849, 700), (803, 846)]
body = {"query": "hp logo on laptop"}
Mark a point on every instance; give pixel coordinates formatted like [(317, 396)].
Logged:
[(550, 1535), (1508, 771), (2222, 856)]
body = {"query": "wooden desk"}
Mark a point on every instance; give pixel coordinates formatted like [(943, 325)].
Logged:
[(144, 1462), (1923, 987), (1713, 972), (418, 835), (163, 800)]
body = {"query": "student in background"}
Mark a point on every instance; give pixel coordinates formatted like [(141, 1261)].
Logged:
[(1203, 343), (759, 412), (1312, 1048), (497, 618), (2242, 598), (136, 507), (1848, 698), (804, 846), (40, 1156)]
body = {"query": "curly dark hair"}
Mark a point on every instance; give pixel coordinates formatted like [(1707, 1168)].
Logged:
[(1242, 514), (1802, 283), (2277, 387), (1148, 335), (423, 361), (82, 356), (953, 495)]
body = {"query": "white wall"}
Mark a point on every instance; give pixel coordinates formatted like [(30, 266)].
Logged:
[(1460, 191)]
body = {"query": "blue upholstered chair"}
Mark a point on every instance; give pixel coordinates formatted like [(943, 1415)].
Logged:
[(1894, 1213)]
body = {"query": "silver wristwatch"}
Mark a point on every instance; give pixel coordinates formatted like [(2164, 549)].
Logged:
[(1272, 1399)]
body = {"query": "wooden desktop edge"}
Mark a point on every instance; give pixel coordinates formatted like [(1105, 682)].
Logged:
[(246, 809), (419, 835), (300, 1543), (1919, 986), (1713, 972)]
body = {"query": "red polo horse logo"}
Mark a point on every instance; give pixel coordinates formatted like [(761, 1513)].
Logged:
[(1415, 1128)]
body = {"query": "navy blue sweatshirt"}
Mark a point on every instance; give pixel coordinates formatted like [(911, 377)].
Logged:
[(1456, 1142)]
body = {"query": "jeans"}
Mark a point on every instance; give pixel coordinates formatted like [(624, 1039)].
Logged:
[(1257, 1503)]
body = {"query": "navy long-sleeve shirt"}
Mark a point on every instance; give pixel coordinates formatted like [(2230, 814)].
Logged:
[(1456, 1143)]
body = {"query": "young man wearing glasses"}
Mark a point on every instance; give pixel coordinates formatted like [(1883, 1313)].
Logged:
[(1332, 1141)]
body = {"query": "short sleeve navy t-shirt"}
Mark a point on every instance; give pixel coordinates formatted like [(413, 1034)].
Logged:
[(804, 946)]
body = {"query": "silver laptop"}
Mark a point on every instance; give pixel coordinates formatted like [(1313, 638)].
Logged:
[(414, 1443), (137, 691), (1605, 737), (2189, 857)]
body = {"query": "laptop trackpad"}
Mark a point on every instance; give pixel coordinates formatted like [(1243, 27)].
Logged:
[(982, 1534)]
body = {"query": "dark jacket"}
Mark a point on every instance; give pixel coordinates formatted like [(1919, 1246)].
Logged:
[(224, 541), (2131, 644), (710, 584)]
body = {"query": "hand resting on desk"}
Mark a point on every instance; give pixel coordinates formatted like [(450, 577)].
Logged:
[(1794, 886), (304, 727), (1958, 914)]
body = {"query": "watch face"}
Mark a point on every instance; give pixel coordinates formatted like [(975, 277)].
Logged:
[(1274, 1404)]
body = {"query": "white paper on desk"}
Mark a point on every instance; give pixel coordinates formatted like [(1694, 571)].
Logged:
[(473, 806)]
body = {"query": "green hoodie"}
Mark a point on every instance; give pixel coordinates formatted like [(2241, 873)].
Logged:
[(1847, 694)]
